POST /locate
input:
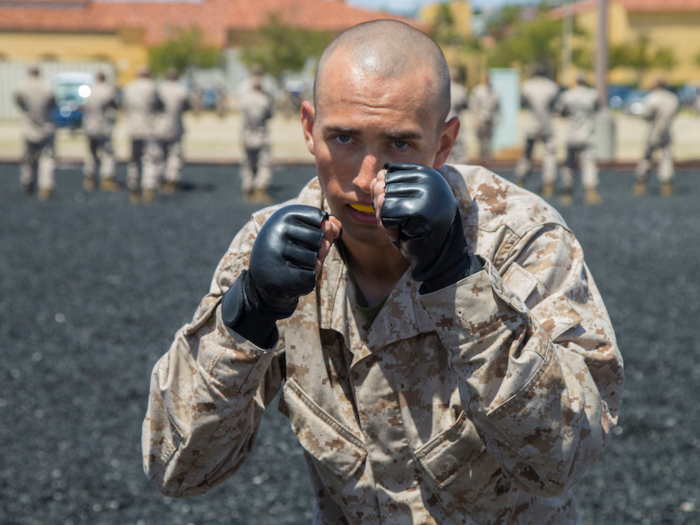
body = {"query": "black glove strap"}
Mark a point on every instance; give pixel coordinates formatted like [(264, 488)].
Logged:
[(242, 312)]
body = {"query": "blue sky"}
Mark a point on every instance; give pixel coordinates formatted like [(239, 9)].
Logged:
[(409, 6)]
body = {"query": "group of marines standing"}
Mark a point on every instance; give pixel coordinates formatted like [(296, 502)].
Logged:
[(154, 122)]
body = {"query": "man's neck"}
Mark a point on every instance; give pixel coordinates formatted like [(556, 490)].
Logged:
[(376, 269)]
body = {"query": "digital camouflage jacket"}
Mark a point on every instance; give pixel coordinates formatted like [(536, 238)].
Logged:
[(483, 402)]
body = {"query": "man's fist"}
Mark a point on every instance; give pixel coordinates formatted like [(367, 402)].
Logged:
[(287, 254), (416, 206)]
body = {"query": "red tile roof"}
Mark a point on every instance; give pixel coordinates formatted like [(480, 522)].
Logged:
[(216, 17), (633, 6)]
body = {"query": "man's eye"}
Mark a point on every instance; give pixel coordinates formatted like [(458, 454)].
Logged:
[(400, 144), (343, 139)]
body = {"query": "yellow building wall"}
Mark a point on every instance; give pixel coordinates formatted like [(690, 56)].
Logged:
[(677, 31), (125, 50), (461, 11)]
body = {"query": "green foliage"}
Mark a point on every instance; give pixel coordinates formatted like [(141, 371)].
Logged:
[(184, 49), (500, 23), (539, 41), (535, 42), (640, 57), (284, 48)]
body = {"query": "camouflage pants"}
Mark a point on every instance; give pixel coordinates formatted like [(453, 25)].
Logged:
[(666, 168), (38, 157), (459, 153), (583, 156), (141, 170), (256, 172), (99, 150), (549, 160), (484, 132), (169, 160)]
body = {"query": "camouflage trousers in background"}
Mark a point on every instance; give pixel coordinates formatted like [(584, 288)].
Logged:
[(666, 169), (549, 160), (256, 172), (583, 157), (459, 153), (169, 160), (141, 171), (484, 133), (38, 157), (99, 151)]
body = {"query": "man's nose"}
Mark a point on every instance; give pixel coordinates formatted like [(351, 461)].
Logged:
[(371, 164)]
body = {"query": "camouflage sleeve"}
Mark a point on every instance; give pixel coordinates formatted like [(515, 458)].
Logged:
[(535, 349), (208, 393)]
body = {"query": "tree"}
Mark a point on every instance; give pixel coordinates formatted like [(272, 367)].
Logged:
[(640, 57), (285, 48), (538, 41), (183, 50)]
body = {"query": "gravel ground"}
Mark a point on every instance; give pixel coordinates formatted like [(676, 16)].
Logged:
[(92, 290)]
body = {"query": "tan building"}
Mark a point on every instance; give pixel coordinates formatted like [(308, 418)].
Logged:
[(671, 24), (120, 32)]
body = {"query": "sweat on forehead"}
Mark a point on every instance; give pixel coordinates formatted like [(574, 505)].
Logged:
[(388, 49)]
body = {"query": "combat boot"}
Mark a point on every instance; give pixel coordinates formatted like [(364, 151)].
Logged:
[(45, 194), (110, 186), (520, 183), (667, 189), (548, 190), (640, 188), (149, 196), (567, 198), (89, 183), (170, 187), (592, 197), (248, 195), (134, 197), (260, 196)]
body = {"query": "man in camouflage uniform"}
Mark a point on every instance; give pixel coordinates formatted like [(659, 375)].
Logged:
[(169, 129), (256, 107), (36, 101), (98, 124), (458, 104), (660, 108), (485, 104), (469, 376), (579, 105), (141, 102), (539, 95)]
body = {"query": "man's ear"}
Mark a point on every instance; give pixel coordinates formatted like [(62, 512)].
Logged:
[(447, 139), (308, 115)]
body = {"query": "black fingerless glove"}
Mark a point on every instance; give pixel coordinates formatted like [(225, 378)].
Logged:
[(419, 203), (282, 269)]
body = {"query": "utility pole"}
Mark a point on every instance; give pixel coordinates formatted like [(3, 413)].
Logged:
[(605, 126)]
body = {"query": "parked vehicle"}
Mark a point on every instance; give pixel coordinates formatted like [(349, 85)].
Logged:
[(71, 90)]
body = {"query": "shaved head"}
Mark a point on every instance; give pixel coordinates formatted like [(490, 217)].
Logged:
[(389, 49)]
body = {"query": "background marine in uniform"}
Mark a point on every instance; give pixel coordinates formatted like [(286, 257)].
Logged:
[(579, 105), (660, 108), (458, 104), (37, 103), (140, 104), (539, 94), (257, 107), (169, 129), (98, 124), (484, 104)]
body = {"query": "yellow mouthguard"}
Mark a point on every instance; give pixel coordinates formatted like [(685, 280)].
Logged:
[(363, 208)]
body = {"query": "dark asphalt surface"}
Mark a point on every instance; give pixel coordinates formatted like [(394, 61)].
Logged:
[(92, 290)]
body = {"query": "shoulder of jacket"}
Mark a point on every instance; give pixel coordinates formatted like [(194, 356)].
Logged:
[(489, 202), (310, 195)]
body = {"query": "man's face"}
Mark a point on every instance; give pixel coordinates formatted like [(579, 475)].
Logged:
[(363, 121)]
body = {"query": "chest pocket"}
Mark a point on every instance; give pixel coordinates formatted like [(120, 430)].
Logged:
[(329, 442)]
